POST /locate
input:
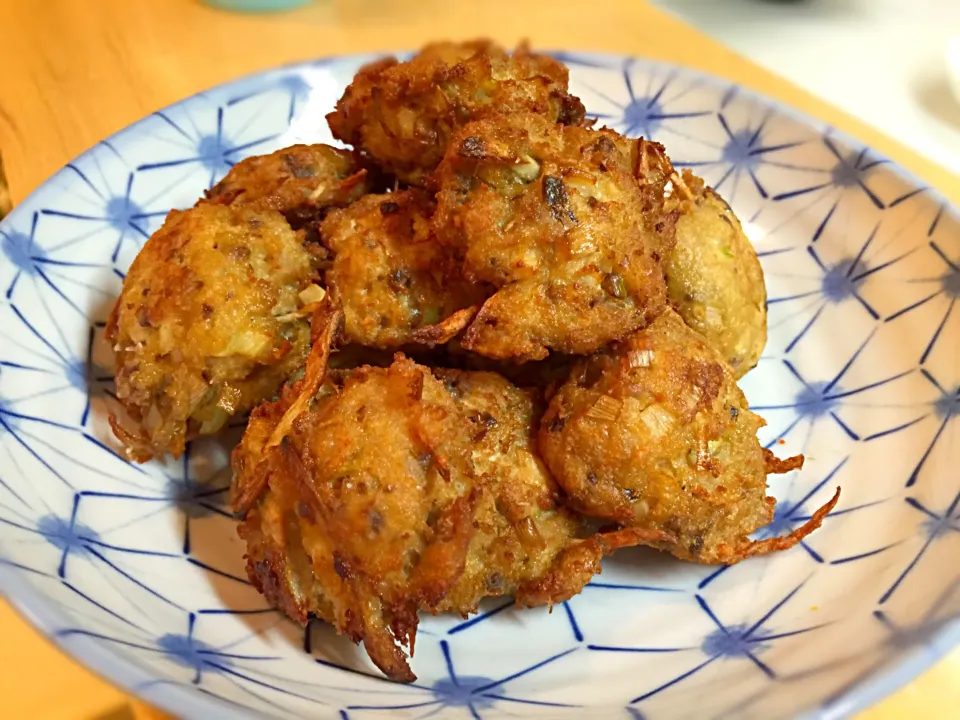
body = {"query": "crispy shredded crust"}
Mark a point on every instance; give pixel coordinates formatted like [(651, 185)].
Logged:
[(328, 319), (397, 285), (207, 324), (446, 330), (655, 434), (730, 556), (136, 443), (581, 561), (567, 224), (776, 466), (301, 181), (403, 114), (294, 507)]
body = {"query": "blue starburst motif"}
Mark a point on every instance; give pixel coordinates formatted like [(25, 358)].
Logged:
[(945, 409), (471, 693), (54, 370), (945, 289), (851, 169), (80, 549), (295, 86), (726, 642), (823, 400), (20, 250), (68, 537), (39, 267), (790, 514), (210, 666), (745, 150), (105, 204), (644, 113), (21, 433), (568, 607), (927, 634), (213, 150), (836, 283), (934, 526)]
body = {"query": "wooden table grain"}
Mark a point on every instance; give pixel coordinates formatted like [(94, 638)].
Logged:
[(74, 71)]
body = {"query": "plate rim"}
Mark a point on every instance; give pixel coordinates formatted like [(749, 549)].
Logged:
[(183, 701)]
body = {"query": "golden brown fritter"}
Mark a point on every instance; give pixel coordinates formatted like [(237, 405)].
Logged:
[(300, 181), (403, 114), (396, 284), (362, 513), (568, 223), (526, 543), (715, 281), (371, 494), (655, 434), (211, 321)]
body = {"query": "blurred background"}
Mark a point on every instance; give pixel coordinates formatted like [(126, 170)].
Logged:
[(883, 61)]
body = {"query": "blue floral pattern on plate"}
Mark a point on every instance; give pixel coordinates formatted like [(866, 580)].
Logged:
[(138, 572)]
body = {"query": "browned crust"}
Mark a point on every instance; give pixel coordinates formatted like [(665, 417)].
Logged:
[(776, 466), (445, 330), (728, 555), (403, 114)]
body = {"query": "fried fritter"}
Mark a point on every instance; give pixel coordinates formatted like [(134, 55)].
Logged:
[(211, 321), (715, 281), (371, 494), (368, 506), (396, 284), (655, 434), (526, 543), (567, 223), (357, 499), (403, 114), (300, 181)]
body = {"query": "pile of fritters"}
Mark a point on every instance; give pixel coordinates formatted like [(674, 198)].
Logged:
[(479, 351)]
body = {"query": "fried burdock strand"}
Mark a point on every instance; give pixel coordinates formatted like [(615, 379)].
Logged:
[(655, 434), (300, 181), (369, 495), (396, 284), (402, 115), (567, 223), (714, 277), (212, 319)]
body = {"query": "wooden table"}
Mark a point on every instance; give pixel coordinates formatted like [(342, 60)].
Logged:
[(73, 72)]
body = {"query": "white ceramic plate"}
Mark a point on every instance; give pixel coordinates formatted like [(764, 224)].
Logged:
[(137, 570)]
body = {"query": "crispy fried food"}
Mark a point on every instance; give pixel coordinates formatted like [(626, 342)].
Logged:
[(715, 281), (403, 114), (655, 434), (568, 223), (212, 319), (526, 543), (300, 181), (362, 513), (372, 485), (371, 494), (539, 375), (396, 284)]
